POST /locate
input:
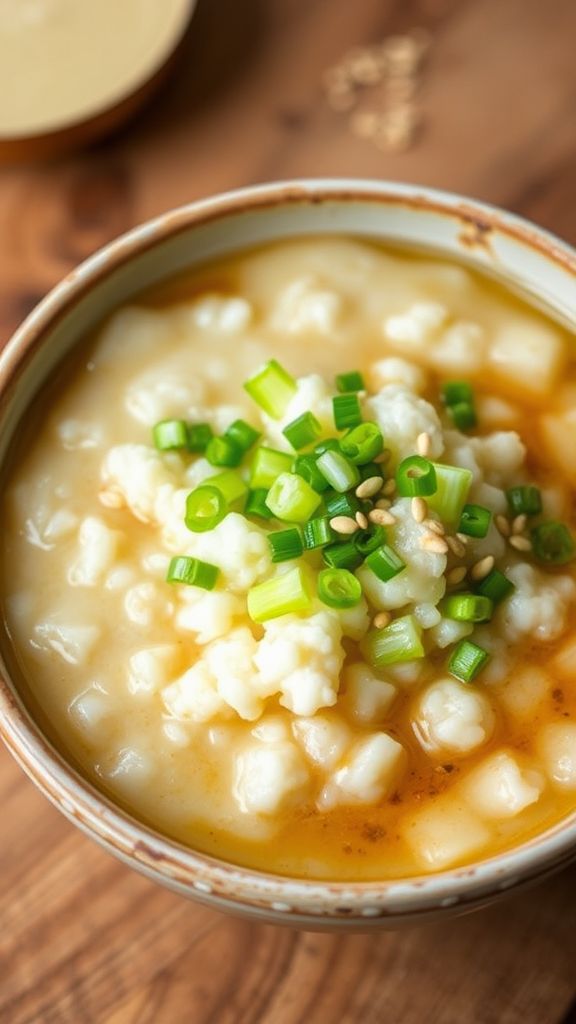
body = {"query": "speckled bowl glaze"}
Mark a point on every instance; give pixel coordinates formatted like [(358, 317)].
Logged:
[(527, 259)]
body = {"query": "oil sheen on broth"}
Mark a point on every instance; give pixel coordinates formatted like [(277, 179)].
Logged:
[(277, 745)]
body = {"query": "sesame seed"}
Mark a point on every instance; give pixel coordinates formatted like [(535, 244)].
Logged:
[(456, 575), (419, 509), (361, 520), (456, 546), (368, 488), (382, 620), (381, 517), (344, 524), (433, 543), (502, 525), (481, 569), (424, 444), (521, 543), (463, 538), (435, 526), (383, 457), (383, 503), (519, 524), (389, 487)]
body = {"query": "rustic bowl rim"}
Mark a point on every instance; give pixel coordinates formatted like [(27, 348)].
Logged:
[(182, 868)]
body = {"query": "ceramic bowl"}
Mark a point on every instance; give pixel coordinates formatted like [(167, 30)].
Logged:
[(521, 255)]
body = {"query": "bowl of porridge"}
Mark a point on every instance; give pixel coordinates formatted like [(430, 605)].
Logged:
[(289, 552)]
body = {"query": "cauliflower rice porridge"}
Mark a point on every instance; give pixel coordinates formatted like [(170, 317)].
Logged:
[(288, 562)]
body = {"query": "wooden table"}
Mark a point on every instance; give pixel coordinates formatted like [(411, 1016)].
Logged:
[(83, 940)]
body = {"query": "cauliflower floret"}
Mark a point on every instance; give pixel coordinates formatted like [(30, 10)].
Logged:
[(161, 392), (231, 662), (394, 370), (414, 330), (129, 769), (305, 305), (74, 642), (137, 473), (444, 833), (524, 692), (194, 696), (98, 549), (152, 667), (91, 710), (538, 606), (500, 455), (323, 739), (271, 729), (460, 349), (367, 698), (301, 659), (77, 434), (557, 749), (501, 787), (370, 773), (237, 546), (270, 777), (219, 313), (312, 395), (402, 416), (527, 353), (147, 603), (449, 631), (208, 614), (452, 717)]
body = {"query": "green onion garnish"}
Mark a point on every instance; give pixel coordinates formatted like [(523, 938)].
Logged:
[(193, 572), (454, 392), (385, 563), (222, 451), (291, 499), (280, 596), (400, 641), (369, 469), (467, 660), (267, 465), (256, 504), (302, 431), (496, 586), (271, 387), (316, 533), (338, 588), (453, 484), (305, 466), (342, 504), (416, 477), (344, 555), (230, 485), (242, 434), (524, 501), (199, 434), (467, 608), (363, 443), (340, 473), (346, 411), (352, 381), (463, 415), (367, 541), (285, 545), (329, 444), (170, 435), (205, 508), (553, 543), (475, 521)]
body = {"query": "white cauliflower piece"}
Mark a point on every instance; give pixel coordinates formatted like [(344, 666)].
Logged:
[(500, 787), (527, 353), (414, 330), (305, 305), (59, 525), (75, 435), (129, 769), (444, 833), (269, 778), (524, 692), (219, 313), (494, 412), (402, 416), (449, 631), (231, 660), (460, 350), (98, 549), (501, 455), (237, 546), (452, 717), (271, 729), (137, 473), (557, 749), (146, 603), (73, 641), (194, 696), (151, 668), (371, 771), (301, 659), (367, 698), (91, 711), (539, 605), (208, 614), (394, 370), (324, 739)]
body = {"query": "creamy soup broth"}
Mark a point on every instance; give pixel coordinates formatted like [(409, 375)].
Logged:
[(372, 773)]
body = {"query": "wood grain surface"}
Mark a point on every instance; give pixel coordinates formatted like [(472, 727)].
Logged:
[(83, 940)]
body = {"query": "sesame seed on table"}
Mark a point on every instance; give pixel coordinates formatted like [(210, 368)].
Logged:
[(488, 113)]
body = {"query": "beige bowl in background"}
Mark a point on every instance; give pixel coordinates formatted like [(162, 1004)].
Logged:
[(517, 253)]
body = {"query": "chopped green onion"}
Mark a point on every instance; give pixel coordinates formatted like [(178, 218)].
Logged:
[(400, 641), (230, 485), (222, 451), (416, 477), (339, 588), (475, 521), (454, 392), (256, 504), (352, 381), (342, 504), (370, 469), (329, 444), (193, 572), (341, 474), (453, 484), (267, 465), (467, 608), (272, 388), (363, 443), (316, 533), (280, 596), (496, 586), (342, 556), (305, 466), (199, 434), (170, 435), (467, 660), (463, 415), (346, 411), (205, 508), (291, 499), (385, 563), (367, 541), (302, 431), (553, 543), (285, 545), (524, 501), (242, 434)]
